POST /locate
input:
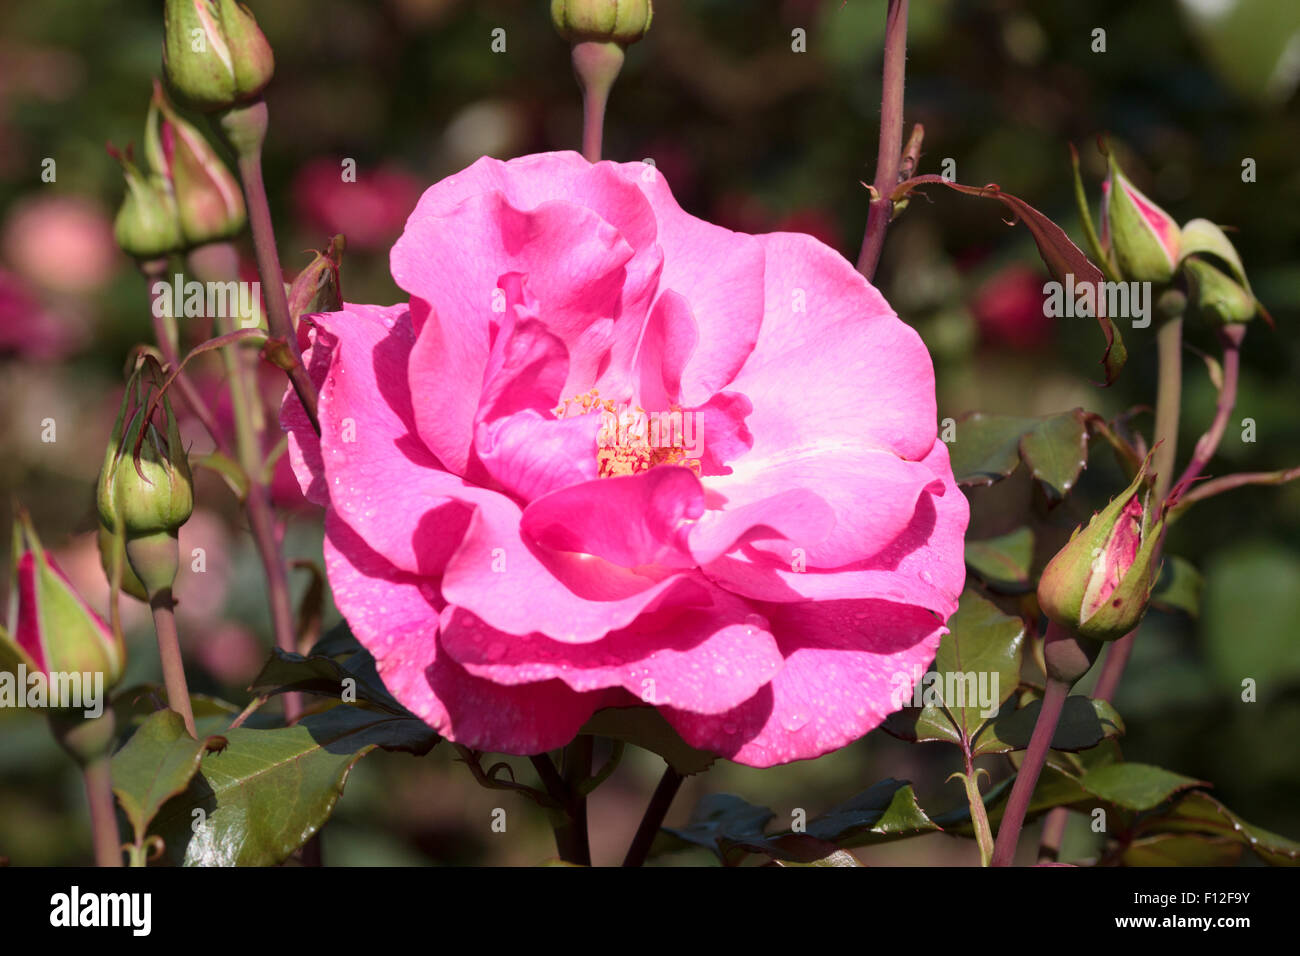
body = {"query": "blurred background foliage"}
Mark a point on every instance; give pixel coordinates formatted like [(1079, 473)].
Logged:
[(756, 137)]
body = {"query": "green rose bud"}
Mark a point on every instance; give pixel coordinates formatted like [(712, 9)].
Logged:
[(147, 225), (145, 490), (1098, 586), (209, 200), (214, 55), (1139, 237), (603, 21)]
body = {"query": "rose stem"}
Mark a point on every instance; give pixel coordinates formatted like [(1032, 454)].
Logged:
[(220, 262), (169, 653), (245, 129), (153, 270), (577, 769), (103, 817), (979, 814), (1013, 817), (655, 812), (597, 66), (881, 209), (568, 843)]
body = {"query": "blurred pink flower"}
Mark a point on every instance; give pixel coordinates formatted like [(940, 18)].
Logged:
[(1008, 308), (64, 243), (518, 548), (369, 211), (28, 329)]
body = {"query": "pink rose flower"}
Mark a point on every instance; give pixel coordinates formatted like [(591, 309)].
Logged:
[(369, 210), (521, 533)]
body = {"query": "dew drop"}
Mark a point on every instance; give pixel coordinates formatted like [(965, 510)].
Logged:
[(793, 721)]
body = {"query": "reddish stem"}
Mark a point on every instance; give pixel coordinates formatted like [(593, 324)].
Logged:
[(1013, 818), (889, 155)]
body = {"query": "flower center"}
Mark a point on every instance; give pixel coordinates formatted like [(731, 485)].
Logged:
[(632, 440)]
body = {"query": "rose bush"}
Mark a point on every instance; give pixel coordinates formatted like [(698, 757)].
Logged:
[(520, 531)]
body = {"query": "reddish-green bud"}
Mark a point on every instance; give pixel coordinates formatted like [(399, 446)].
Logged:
[(603, 21), (209, 200), (214, 54), (1098, 586), (145, 490), (147, 226), (316, 287), (52, 630), (1141, 239)]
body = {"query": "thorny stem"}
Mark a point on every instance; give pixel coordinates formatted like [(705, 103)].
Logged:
[(220, 261), (888, 157), (655, 812), (1013, 818), (169, 653), (979, 814)]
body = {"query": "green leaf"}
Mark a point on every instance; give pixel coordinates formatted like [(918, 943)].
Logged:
[(646, 728), (338, 641), (155, 765), (984, 644), (1055, 452), (884, 812), (990, 447), (831, 857), (1198, 812), (1003, 563), (724, 823), (1135, 786), (987, 448), (285, 672), (1174, 849), (269, 791), (1179, 587), (921, 725), (1084, 723)]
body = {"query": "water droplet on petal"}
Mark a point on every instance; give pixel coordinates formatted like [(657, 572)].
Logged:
[(793, 721)]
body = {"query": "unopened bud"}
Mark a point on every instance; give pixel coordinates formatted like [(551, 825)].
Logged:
[(1098, 585), (214, 54), (603, 21), (1140, 237)]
